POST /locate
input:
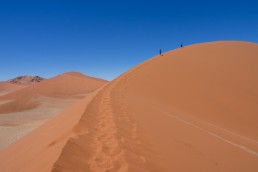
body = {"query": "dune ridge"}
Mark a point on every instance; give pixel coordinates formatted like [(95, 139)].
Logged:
[(195, 107), (108, 139)]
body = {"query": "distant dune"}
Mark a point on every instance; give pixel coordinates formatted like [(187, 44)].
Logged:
[(62, 86), (191, 109), (18, 83), (30, 103)]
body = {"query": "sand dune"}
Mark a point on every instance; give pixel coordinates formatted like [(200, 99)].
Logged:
[(18, 83), (192, 109), (66, 85), (38, 150), (15, 125), (23, 110)]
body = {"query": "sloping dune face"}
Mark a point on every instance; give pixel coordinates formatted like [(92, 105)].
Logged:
[(192, 109)]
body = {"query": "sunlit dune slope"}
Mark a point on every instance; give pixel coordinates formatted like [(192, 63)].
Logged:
[(217, 82), (192, 109)]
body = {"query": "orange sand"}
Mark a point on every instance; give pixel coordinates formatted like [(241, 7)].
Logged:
[(7, 87), (192, 109), (63, 85), (38, 150), (25, 109), (66, 85)]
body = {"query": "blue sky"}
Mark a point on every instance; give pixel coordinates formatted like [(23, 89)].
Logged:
[(106, 38)]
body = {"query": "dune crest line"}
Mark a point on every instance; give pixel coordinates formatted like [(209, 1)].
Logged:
[(107, 138)]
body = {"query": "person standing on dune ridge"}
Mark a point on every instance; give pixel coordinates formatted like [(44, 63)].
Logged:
[(160, 52)]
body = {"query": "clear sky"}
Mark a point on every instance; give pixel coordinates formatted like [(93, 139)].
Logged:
[(106, 38)]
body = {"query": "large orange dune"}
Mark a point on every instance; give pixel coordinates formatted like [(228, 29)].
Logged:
[(191, 109)]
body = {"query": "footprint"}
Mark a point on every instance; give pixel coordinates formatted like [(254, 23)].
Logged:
[(142, 159), (122, 139), (135, 128)]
